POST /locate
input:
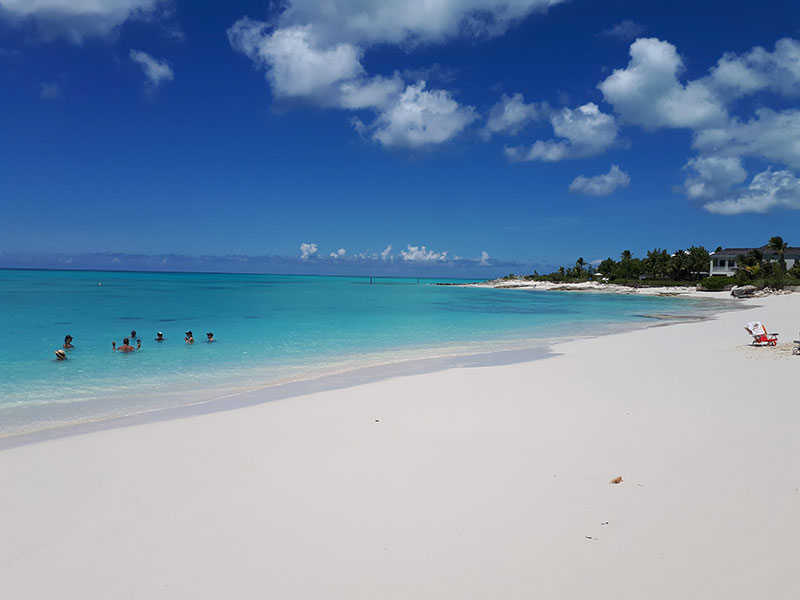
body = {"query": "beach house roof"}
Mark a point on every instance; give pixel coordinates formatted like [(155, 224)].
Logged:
[(766, 251)]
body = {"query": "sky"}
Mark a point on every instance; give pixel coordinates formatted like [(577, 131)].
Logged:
[(455, 137)]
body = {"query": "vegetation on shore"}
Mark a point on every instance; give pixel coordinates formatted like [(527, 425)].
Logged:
[(689, 267)]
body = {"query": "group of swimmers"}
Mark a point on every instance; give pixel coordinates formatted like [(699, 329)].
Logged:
[(126, 343)]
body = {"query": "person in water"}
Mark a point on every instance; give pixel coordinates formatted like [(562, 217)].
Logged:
[(210, 336), (68, 342), (189, 338), (126, 346), (160, 337), (61, 355), (133, 335)]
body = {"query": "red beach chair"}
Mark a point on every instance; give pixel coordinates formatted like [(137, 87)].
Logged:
[(760, 335)]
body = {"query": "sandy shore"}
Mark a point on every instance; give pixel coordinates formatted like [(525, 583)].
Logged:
[(597, 286), (477, 483)]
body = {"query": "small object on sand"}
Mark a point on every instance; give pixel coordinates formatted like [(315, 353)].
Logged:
[(377, 420), (588, 537), (743, 291), (616, 480)]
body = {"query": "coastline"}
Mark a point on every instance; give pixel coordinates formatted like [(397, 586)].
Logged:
[(347, 372), (599, 287), (465, 482)]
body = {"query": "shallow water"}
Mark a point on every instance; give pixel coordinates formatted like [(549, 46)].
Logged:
[(268, 329)]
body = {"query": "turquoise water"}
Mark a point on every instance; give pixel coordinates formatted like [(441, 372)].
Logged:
[(269, 329)]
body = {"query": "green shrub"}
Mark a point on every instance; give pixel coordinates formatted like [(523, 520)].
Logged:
[(717, 283)]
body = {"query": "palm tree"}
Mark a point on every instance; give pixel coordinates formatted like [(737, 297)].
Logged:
[(778, 246), (626, 255)]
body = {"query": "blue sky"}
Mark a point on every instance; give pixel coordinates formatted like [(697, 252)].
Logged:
[(473, 137)]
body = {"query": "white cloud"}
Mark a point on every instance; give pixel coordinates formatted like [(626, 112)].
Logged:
[(510, 115), (340, 253), (601, 185), (484, 258), (647, 92), (313, 52), (420, 117), (155, 70), (625, 30), (307, 251), (49, 91), (767, 191), (585, 131), (386, 254), (376, 93), (408, 21), (713, 175), (422, 254), (75, 20), (772, 135), (758, 69), (296, 65)]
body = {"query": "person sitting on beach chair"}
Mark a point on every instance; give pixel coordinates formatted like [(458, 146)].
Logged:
[(760, 335)]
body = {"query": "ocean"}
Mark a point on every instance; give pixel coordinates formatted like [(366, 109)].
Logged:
[(269, 329)]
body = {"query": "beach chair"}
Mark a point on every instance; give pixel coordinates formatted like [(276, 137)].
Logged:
[(760, 335)]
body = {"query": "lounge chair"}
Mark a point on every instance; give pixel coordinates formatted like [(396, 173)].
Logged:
[(760, 335)]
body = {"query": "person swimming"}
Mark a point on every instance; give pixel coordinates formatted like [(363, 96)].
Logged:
[(68, 341), (189, 337), (126, 345), (61, 355), (210, 336), (133, 335), (160, 337)]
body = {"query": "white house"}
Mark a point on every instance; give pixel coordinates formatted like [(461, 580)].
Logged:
[(724, 262)]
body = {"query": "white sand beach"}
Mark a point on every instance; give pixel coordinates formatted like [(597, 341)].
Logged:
[(488, 482)]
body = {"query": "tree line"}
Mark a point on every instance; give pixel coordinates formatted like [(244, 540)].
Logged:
[(681, 266)]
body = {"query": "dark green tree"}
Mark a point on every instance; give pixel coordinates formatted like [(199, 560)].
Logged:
[(778, 246), (607, 267), (699, 261), (679, 265)]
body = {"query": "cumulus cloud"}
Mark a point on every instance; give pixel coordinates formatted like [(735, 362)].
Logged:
[(770, 134), (757, 70), (313, 53), (601, 185), (75, 20), (339, 253), (509, 115), (484, 260), (420, 117), (408, 21), (307, 251), (49, 91), (422, 254), (296, 64), (648, 93), (386, 254), (624, 30), (769, 190), (584, 131), (155, 70), (713, 175), (299, 67)]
